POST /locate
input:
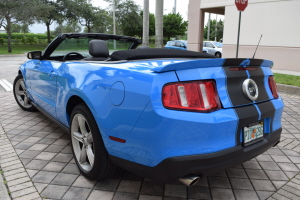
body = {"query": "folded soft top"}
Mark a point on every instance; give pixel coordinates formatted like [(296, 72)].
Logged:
[(135, 54)]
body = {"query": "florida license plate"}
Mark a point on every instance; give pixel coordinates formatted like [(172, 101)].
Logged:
[(253, 133)]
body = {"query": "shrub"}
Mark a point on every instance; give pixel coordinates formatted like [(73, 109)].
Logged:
[(1, 41), (24, 40), (20, 36)]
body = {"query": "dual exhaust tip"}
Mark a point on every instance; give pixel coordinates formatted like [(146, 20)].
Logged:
[(189, 180)]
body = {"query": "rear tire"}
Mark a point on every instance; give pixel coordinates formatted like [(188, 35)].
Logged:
[(21, 95), (87, 145)]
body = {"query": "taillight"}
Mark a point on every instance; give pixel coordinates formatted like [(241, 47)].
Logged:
[(197, 96), (273, 87)]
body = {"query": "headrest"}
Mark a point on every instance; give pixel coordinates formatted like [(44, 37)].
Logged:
[(98, 48)]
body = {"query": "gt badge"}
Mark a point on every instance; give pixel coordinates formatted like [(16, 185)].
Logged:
[(250, 89)]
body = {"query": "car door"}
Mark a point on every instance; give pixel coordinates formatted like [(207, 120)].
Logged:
[(209, 48), (171, 45), (43, 85), (180, 45)]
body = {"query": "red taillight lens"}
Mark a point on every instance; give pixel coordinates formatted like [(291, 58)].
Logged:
[(199, 96), (273, 87)]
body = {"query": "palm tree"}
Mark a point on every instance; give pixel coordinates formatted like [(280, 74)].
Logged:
[(146, 23), (159, 12)]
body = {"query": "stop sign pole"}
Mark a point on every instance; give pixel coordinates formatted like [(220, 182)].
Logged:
[(241, 6)]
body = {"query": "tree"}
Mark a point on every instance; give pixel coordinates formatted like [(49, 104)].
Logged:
[(16, 11), (151, 24), (102, 24), (73, 27), (159, 12), (213, 33), (146, 23), (128, 17), (50, 11), (91, 17), (174, 25), (17, 28)]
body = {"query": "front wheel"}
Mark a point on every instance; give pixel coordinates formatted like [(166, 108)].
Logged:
[(218, 54), (21, 95), (87, 145)]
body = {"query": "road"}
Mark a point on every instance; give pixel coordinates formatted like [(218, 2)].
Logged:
[(9, 67)]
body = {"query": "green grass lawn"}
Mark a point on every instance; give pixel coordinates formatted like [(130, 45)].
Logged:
[(22, 48), (287, 79)]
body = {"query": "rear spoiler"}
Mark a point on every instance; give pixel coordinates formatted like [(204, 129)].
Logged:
[(221, 62)]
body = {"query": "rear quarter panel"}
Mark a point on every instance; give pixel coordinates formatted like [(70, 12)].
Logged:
[(116, 94)]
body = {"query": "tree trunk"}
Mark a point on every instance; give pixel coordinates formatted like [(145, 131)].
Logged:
[(159, 12), (146, 23), (48, 31), (8, 31)]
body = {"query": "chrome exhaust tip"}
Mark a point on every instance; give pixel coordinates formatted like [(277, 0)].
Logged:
[(189, 180)]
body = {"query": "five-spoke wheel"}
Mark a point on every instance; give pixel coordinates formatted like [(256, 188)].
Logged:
[(87, 145), (82, 141), (21, 94)]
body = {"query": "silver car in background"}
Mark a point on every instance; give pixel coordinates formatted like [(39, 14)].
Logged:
[(213, 48)]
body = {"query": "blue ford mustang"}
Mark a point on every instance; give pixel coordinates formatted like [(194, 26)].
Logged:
[(164, 114)]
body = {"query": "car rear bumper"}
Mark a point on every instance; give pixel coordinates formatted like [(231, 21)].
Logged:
[(174, 168)]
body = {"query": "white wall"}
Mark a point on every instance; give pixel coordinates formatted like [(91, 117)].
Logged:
[(278, 21)]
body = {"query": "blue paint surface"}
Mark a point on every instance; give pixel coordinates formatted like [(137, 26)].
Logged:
[(126, 102)]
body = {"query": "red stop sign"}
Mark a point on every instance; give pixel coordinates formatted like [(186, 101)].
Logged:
[(241, 4)]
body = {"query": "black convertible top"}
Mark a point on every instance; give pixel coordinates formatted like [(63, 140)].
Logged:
[(135, 54)]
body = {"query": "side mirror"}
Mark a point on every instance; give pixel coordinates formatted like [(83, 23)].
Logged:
[(34, 55)]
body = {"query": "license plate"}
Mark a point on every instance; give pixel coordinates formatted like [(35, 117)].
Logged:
[(253, 133)]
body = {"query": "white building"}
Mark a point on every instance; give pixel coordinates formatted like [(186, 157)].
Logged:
[(277, 20)]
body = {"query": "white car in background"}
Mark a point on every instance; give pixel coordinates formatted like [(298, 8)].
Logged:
[(213, 48)]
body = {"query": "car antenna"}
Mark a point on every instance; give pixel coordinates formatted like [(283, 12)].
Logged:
[(257, 46)]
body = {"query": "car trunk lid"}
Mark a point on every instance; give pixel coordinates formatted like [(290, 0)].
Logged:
[(229, 75)]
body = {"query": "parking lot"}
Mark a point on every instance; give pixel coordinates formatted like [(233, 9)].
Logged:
[(37, 162)]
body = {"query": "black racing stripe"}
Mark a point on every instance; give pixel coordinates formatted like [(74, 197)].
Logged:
[(238, 61), (267, 110), (246, 115), (258, 77), (235, 81)]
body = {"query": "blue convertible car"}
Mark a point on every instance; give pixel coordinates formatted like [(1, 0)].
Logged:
[(164, 114)]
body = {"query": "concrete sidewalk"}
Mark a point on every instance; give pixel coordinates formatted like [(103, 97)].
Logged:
[(3, 190), (37, 162)]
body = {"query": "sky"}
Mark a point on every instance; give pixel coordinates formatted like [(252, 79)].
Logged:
[(181, 7)]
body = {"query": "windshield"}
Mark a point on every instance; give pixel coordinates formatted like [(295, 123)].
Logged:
[(218, 44), (81, 45)]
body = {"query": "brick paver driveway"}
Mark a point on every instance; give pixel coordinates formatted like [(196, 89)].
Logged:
[(36, 158)]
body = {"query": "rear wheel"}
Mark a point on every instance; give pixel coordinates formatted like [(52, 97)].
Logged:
[(21, 95), (87, 145)]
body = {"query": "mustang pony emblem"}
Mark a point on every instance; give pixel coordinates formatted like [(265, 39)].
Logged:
[(250, 89)]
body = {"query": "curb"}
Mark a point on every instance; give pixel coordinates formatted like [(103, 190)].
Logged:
[(288, 89), (18, 181), (3, 190), (13, 55)]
